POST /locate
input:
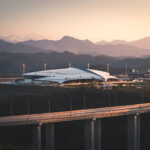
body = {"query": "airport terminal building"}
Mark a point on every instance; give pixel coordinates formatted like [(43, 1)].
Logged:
[(69, 76)]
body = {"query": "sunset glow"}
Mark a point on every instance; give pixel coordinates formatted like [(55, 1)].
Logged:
[(85, 19)]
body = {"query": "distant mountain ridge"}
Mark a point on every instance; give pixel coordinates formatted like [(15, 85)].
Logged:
[(143, 43), (117, 48), (114, 42), (18, 48)]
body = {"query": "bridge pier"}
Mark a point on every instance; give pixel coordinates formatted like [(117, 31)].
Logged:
[(93, 134), (134, 132), (37, 136), (97, 133), (49, 136)]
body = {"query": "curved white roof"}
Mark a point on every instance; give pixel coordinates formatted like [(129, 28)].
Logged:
[(103, 74), (68, 74)]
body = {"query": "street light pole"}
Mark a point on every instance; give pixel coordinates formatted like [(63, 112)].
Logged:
[(143, 94), (70, 102), (28, 105), (49, 106), (11, 108), (115, 96), (109, 98), (84, 105)]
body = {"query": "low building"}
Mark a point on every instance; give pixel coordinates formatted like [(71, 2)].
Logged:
[(10, 78)]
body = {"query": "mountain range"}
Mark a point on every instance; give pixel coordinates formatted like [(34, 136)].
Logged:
[(18, 48), (143, 43), (117, 48)]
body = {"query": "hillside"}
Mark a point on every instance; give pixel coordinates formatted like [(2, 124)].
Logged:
[(11, 63), (143, 43), (117, 49), (18, 48)]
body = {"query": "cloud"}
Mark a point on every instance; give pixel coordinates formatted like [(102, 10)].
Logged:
[(23, 37)]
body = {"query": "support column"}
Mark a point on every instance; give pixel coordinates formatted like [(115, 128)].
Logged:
[(134, 132), (93, 134), (37, 136), (89, 135), (97, 135), (49, 136)]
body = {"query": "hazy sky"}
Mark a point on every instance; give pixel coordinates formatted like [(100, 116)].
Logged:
[(85, 19)]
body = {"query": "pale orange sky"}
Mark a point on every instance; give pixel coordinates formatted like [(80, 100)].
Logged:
[(84, 19)]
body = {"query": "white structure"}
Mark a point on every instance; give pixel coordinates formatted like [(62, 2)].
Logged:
[(103, 74), (68, 74)]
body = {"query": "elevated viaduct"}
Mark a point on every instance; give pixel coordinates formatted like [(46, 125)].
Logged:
[(92, 118)]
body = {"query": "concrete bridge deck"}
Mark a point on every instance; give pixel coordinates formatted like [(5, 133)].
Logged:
[(85, 114)]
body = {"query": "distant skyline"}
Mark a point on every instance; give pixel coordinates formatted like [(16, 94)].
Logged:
[(95, 20)]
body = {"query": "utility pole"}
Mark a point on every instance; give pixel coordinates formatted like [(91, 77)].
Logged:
[(115, 91), (109, 98), (28, 106), (84, 105), (143, 95), (70, 102), (11, 108), (126, 70), (49, 106)]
